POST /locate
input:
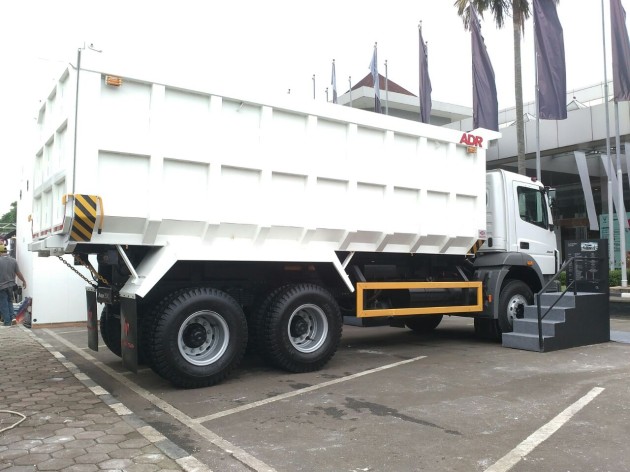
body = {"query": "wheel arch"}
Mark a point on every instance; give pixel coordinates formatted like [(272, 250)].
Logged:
[(497, 269)]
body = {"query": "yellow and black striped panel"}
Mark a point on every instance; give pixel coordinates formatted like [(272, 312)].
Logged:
[(476, 246), (84, 217)]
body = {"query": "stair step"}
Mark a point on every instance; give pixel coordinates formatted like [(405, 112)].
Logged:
[(530, 326), (526, 342), (549, 298), (555, 314)]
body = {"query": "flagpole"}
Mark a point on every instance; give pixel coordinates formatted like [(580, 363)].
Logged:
[(538, 170), (386, 91), (621, 92), (420, 73), (350, 89), (333, 83), (326, 93), (611, 226), (376, 80), (313, 86), (620, 206)]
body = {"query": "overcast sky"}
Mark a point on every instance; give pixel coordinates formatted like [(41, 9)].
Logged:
[(267, 47)]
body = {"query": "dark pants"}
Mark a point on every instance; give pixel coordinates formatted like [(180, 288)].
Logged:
[(6, 305)]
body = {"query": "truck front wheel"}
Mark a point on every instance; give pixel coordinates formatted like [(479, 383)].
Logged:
[(302, 328), (515, 295), (198, 338)]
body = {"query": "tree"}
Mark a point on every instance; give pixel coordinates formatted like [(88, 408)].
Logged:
[(8, 219), (520, 12)]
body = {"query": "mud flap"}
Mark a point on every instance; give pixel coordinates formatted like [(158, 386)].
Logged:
[(129, 333), (92, 318)]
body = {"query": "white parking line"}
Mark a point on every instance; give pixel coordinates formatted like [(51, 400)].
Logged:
[(301, 391), (528, 445)]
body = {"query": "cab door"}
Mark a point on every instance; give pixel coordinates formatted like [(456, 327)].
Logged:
[(532, 226)]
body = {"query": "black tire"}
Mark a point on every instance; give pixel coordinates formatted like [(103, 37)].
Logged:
[(515, 295), (199, 338), (423, 324), (302, 328), (255, 323), (147, 327), (110, 329), (487, 328)]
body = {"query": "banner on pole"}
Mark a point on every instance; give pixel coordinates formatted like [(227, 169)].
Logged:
[(425, 81), (550, 61), (620, 52), (485, 103)]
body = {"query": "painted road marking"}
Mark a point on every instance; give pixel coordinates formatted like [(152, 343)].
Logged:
[(528, 445)]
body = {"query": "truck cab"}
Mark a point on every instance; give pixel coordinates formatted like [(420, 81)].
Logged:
[(519, 219), (520, 253)]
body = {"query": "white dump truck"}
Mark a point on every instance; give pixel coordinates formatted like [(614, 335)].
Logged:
[(221, 222)]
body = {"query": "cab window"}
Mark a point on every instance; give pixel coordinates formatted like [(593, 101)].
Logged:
[(532, 207)]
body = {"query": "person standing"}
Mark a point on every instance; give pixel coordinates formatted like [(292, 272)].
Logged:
[(9, 269)]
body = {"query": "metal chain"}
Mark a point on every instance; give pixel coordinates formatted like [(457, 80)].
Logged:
[(90, 268)]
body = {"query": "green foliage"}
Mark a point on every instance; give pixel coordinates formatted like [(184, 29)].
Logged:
[(563, 278), (614, 278), (11, 215)]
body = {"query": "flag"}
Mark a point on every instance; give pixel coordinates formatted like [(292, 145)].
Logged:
[(333, 81), (485, 103), (425, 82), (620, 52), (550, 63), (377, 86)]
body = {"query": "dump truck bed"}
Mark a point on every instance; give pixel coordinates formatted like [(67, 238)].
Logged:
[(148, 163)]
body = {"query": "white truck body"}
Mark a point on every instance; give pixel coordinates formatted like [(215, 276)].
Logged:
[(251, 180), (164, 177)]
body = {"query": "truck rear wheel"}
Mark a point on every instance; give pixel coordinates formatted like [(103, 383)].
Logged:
[(424, 324), (255, 323), (302, 328), (147, 324), (515, 295), (110, 329), (199, 338)]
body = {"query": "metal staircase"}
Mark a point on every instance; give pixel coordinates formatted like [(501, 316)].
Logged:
[(576, 320)]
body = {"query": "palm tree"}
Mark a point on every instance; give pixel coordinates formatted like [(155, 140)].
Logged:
[(520, 13)]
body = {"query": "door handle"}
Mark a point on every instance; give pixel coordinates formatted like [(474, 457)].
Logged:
[(524, 245)]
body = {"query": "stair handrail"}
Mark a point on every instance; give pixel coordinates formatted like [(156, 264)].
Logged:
[(571, 260)]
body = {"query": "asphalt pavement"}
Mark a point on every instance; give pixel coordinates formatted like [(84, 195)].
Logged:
[(54, 417)]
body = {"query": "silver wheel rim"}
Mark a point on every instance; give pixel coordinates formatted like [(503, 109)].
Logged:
[(203, 338), (307, 328), (514, 304)]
